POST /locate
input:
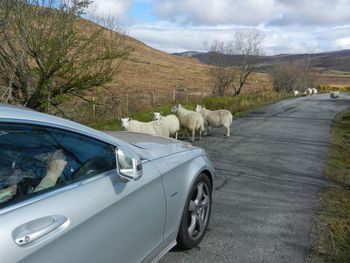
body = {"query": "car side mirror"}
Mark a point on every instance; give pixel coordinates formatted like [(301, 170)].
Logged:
[(129, 165)]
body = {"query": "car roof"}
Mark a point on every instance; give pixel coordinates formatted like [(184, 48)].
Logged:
[(11, 106), (17, 114)]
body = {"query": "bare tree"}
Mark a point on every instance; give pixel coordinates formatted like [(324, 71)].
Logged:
[(238, 56), (293, 75), (223, 75), (247, 44), (48, 53), (283, 76)]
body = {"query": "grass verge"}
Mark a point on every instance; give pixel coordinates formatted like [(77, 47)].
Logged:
[(329, 88), (237, 105), (333, 223)]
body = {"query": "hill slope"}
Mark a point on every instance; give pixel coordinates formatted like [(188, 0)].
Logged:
[(327, 61), (150, 77), (149, 69)]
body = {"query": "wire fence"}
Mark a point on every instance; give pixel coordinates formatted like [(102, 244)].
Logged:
[(109, 106)]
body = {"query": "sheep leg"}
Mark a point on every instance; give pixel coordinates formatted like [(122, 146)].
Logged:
[(206, 130), (227, 132), (188, 135), (176, 135), (193, 134), (200, 135)]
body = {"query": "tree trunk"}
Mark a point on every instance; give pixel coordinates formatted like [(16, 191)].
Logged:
[(36, 101), (238, 92)]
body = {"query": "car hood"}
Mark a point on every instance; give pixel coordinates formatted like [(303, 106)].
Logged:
[(153, 147)]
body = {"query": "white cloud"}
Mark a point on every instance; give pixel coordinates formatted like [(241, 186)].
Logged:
[(343, 43), (316, 12), (218, 12), (254, 12), (116, 8), (170, 38), (290, 26)]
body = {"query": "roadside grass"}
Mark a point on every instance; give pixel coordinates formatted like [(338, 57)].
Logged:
[(328, 88), (237, 105), (333, 223)]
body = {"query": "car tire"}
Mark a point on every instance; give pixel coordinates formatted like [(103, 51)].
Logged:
[(196, 214)]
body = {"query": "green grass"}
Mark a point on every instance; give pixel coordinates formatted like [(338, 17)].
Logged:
[(237, 105), (333, 223)]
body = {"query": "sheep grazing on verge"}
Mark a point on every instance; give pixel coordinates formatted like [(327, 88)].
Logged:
[(314, 91), (296, 93), (171, 121), (153, 127), (308, 92), (190, 120), (216, 119), (334, 95)]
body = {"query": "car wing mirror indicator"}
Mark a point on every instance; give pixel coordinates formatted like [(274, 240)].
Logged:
[(129, 165)]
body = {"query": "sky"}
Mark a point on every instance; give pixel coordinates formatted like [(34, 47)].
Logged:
[(289, 26)]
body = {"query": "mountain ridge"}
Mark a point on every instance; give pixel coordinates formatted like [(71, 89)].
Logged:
[(338, 60)]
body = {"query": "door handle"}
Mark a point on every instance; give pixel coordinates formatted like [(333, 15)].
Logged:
[(38, 228)]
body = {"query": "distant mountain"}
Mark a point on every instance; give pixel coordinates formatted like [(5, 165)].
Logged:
[(188, 54), (323, 62)]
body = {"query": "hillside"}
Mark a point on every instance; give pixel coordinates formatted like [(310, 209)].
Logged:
[(150, 77), (148, 69), (323, 62)]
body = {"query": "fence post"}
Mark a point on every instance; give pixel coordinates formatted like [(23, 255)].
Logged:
[(93, 107), (126, 103), (174, 95), (153, 98), (186, 94)]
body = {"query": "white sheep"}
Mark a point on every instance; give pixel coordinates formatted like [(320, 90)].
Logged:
[(171, 121), (216, 119), (334, 95), (314, 91), (153, 127), (308, 92), (296, 93), (190, 120)]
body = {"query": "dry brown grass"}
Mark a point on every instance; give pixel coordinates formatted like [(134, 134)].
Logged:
[(333, 80), (148, 69), (148, 73)]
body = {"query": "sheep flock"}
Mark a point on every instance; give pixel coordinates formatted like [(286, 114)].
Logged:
[(196, 121), (313, 91)]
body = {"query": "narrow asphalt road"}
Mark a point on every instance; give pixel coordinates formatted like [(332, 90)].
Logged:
[(270, 173)]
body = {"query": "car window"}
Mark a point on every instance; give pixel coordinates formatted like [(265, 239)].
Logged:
[(35, 159)]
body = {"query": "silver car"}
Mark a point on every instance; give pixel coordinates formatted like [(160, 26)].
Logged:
[(69, 193)]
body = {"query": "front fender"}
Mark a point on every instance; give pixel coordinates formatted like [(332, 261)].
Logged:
[(178, 175)]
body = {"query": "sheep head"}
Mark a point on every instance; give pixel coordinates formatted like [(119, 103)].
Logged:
[(198, 108), (125, 123), (175, 108), (156, 116)]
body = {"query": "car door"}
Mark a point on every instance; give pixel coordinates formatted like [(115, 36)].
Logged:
[(84, 214)]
